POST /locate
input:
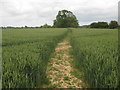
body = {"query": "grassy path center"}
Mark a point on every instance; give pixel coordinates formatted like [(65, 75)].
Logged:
[(60, 68)]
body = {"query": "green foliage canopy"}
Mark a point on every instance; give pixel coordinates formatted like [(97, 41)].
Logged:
[(46, 26), (113, 24), (99, 25), (65, 19)]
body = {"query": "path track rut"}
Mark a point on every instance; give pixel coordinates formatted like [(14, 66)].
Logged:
[(60, 68)]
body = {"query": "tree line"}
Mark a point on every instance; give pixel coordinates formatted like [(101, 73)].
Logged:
[(111, 25)]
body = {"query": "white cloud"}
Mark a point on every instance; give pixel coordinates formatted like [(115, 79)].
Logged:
[(39, 12)]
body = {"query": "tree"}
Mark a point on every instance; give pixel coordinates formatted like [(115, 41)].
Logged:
[(99, 25), (46, 26), (26, 27), (94, 25), (113, 24), (103, 25), (65, 19)]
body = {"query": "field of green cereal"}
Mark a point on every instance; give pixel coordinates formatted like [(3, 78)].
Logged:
[(25, 55), (26, 52), (96, 52)]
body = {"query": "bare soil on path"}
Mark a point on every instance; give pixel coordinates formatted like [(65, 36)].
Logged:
[(59, 68)]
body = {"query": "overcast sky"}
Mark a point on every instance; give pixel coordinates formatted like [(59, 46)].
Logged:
[(39, 12)]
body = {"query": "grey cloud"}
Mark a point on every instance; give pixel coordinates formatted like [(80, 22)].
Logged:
[(39, 12)]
